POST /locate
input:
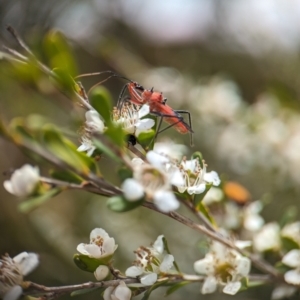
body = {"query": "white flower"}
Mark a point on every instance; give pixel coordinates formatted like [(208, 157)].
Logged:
[(252, 220), (267, 239), (154, 180), (222, 266), (292, 231), (12, 271), (101, 245), (120, 292), (86, 146), (93, 124), (131, 118), (292, 259), (23, 181), (196, 177), (151, 262)]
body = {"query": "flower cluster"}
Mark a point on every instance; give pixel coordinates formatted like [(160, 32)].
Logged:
[(153, 180)]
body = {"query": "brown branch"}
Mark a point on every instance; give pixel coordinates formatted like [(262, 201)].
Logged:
[(33, 289), (259, 263)]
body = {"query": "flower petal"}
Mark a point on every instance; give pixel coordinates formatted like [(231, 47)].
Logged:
[(145, 110), (292, 258), (27, 262), (149, 279), (159, 245), (243, 265), (232, 287), (212, 177), (165, 201), (292, 277), (122, 292), (132, 189), (156, 159), (167, 263), (205, 266), (14, 293), (209, 285), (283, 291), (101, 272), (134, 271)]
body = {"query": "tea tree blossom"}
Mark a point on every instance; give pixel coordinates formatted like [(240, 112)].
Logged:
[(268, 238), (292, 231), (12, 271), (252, 219), (120, 292), (222, 266), (154, 180), (292, 259), (196, 177), (132, 118), (23, 181), (93, 124), (151, 262), (101, 245)]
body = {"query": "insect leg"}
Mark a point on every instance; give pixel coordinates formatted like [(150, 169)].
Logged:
[(190, 123)]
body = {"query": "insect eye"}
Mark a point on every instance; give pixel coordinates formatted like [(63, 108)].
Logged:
[(164, 101)]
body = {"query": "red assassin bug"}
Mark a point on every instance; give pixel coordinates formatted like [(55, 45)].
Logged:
[(157, 103)]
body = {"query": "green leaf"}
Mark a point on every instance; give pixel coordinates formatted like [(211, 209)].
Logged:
[(120, 204), (166, 247), (289, 215), (27, 73), (289, 243), (204, 210), (59, 53), (20, 133), (67, 151), (152, 288), (106, 150), (101, 100), (86, 291), (199, 197), (146, 139), (90, 264), (66, 176), (124, 173), (116, 134), (176, 287), (64, 81), (34, 202)]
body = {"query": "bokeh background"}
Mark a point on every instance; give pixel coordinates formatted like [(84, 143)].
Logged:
[(234, 65)]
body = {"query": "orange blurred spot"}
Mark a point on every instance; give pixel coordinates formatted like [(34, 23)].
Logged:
[(236, 192)]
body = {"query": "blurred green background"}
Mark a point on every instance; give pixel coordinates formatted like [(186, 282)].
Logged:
[(234, 65)]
